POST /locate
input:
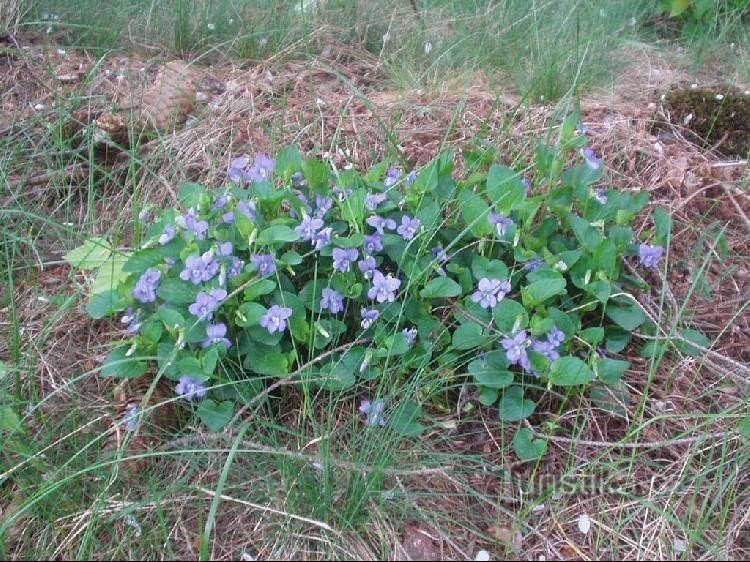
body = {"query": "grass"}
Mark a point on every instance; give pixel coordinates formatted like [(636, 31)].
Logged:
[(301, 476)]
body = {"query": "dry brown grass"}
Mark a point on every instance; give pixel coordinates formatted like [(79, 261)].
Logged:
[(662, 455)]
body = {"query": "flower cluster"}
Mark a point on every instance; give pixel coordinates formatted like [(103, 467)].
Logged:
[(261, 170)]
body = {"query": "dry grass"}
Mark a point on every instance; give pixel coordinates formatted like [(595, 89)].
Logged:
[(660, 462)]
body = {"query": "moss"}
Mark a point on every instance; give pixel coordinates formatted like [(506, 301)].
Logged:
[(718, 117)]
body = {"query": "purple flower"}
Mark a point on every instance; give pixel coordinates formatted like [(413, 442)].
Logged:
[(411, 335), (392, 176), (374, 411), (343, 258), (369, 315), (546, 348), (228, 217), (145, 287), (490, 291), (298, 179), (190, 387), (132, 319), (411, 177), (130, 419), (237, 168), (372, 200), (515, 350), (169, 233), (526, 185), (220, 203), (650, 255), (592, 161), (555, 336), (236, 268), (323, 238), (207, 303), (408, 227), (342, 193), (248, 209), (379, 223), (367, 266), (600, 195), (275, 319), (224, 249), (192, 224), (440, 254), (265, 263), (332, 301), (215, 333), (373, 243), (261, 169), (383, 288), (199, 269), (533, 264), (309, 228), (322, 205), (501, 223)]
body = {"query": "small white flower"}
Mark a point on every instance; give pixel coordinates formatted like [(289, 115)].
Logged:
[(49, 30), (39, 107), (231, 21), (719, 97), (427, 51), (688, 119), (584, 523), (386, 38), (693, 85), (263, 42), (61, 52), (211, 26)]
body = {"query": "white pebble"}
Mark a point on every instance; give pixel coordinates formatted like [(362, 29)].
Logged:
[(719, 97), (211, 26), (679, 546), (482, 556), (61, 52)]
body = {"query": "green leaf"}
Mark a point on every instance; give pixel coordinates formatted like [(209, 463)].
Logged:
[(170, 317), (505, 188), (627, 314), (570, 371), (489, 376), (663, 224), (9, 420), (214, 415), (617, 339), (695, 337), (110, 274), (610, 371), (104, 304), (509, 314), (586, 234), (468, 336), (353, 241), (93, 253), (404, 419), (491, 269), (612, 399), (258, 288), (290, 258), (274, 364), (141, 260), (336, 376), (593, 336), (249, 314), (177, 291), (744, 426), (440, 287), (526, 447), (513, 406), (677, 7), (542, 290), (119, 365), (487, 396), (190, 194), (277, 233), (475, 212)]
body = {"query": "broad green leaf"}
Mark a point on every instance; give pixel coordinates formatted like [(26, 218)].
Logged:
[(744, 426), (215, 415), (587, 235), (190, 194), (570, 371), (489, 375), (488, 396), (104, 304), (695, 337), (513, 406), (170, 317), (404, 419), (663, 224), (277, 233), (119, 365), (617, 339), (593, 336), (627, 314), (509, 315), (274, 364), (141, 260), (440, 287), (612, 398), (249, 314), (542, 290), (610, 371), (526, 447), (468, 336), (177, 291), (9, 420), (475, 212), (110, 274), (505, 188), (93, 253), (258, 288)]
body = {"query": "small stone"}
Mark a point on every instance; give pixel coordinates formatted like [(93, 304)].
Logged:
[(584, 523), (482, 556)]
